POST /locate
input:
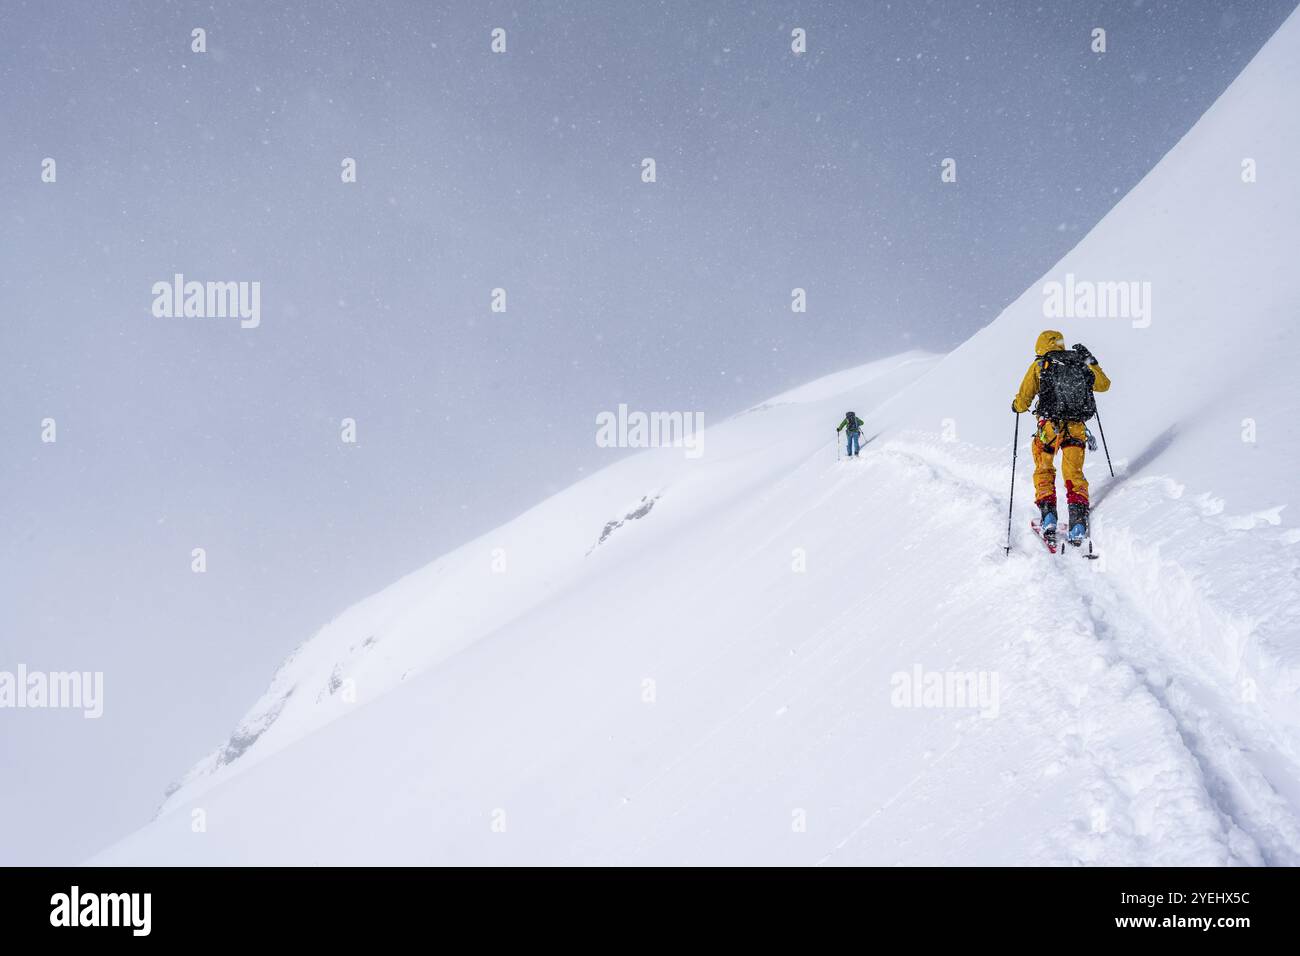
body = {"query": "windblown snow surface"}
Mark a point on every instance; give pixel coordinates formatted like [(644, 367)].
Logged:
[(701, 660)]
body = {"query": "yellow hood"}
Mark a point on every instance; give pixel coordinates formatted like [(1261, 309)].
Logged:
[(1049, 341)]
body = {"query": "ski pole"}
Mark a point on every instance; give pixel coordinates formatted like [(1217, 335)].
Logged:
[(837, 445), (1103, 445), (1011, 503)]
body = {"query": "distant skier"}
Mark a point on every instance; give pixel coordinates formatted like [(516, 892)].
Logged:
[(1064, 382), (854, 426)]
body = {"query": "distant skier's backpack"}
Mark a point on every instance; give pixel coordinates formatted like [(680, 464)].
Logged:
[(853, 421), (1065, 387)]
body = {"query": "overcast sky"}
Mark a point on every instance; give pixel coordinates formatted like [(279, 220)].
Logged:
[(476, 170)]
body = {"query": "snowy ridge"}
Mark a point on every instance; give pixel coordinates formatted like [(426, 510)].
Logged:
[(430, 614), (718, 681)]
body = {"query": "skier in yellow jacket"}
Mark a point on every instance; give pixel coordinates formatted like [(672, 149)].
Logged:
[(1063, 381)]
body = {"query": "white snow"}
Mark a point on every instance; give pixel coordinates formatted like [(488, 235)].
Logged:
[(683, 692)]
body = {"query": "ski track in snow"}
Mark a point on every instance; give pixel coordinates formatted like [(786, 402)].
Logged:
[(1187, 778)]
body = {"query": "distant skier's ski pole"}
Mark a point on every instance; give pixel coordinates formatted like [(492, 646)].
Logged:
[(1011, 503), (1103, 445)]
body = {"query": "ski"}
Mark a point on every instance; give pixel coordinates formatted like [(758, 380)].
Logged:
[(1050, 545), (1058, 546)]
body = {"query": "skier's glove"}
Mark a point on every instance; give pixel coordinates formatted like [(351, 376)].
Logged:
[(1087, 356)]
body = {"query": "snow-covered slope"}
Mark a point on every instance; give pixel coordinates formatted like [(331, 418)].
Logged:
[(722, 677)]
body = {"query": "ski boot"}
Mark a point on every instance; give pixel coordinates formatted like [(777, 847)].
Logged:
[(1078, 524), (1047, 522)]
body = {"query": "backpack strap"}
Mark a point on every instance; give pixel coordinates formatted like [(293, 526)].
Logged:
[(1063, 438)]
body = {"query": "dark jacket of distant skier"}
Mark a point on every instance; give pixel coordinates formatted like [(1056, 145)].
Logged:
[(854, 426), (1063, 382)]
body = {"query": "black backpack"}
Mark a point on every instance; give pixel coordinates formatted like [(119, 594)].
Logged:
[(1065, 388), (853, 421)]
